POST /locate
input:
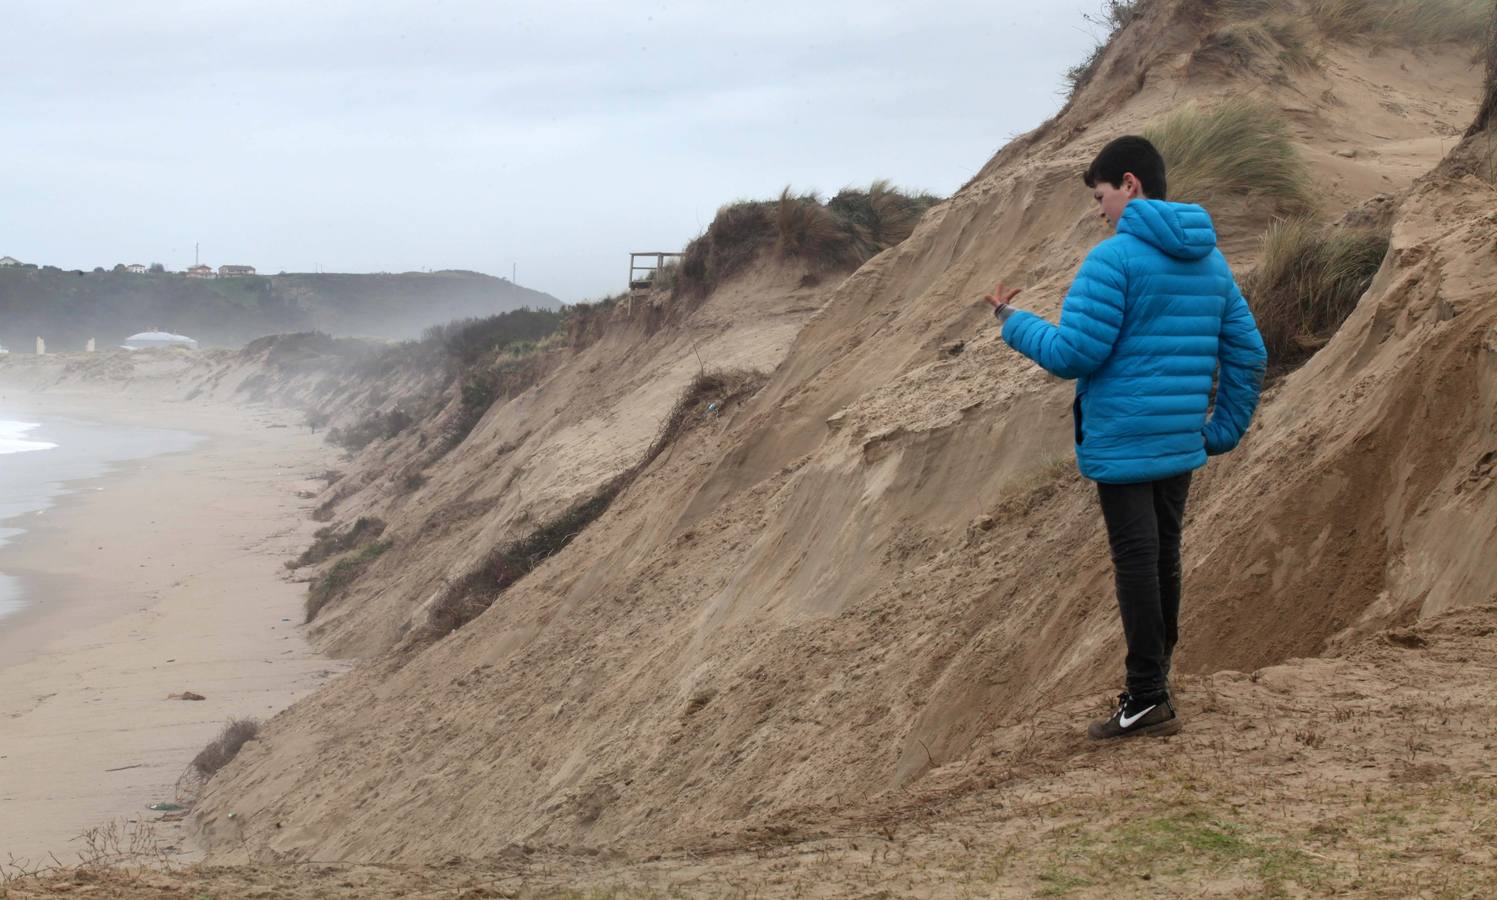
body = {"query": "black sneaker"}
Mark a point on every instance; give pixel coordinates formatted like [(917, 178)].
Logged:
[(1132, 717)]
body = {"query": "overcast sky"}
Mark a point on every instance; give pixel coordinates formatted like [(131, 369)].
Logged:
[(394, 136)]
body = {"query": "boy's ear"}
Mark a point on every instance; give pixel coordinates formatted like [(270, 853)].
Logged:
[(1132, 185)]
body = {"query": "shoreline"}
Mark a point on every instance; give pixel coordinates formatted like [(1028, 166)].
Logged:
[(163, 574), (54, 478)]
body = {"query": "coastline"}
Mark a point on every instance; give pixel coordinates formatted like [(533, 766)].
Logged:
[(79, 457), (160, 576)]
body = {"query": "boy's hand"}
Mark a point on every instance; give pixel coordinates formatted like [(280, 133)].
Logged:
[(1001, 296)]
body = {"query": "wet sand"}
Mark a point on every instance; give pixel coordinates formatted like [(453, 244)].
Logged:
[(161, 577)]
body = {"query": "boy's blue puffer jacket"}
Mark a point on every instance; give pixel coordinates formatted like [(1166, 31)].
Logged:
[(1151, 313)]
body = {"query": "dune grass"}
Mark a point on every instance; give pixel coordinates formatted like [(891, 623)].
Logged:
[(1308, 281), (329, 541), (342, 573), (1237, 148), (1239, 43), (1406, 22), (842, 232)]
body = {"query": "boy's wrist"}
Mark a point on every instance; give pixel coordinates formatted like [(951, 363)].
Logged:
[(1002, 311)]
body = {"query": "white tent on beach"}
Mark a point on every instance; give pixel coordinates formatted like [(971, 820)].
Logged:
[(147, 339)]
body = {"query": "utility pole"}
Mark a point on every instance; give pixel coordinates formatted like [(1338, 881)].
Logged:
[(514, 268), (195, 246)]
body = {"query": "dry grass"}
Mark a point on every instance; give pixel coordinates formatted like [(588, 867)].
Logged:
[(1113, 16), (841, 233), (1236, 148), (1239, 44), (1405, 22), (879, 217), (738, 233), (806, 229), (1307, 283), (225, 747)]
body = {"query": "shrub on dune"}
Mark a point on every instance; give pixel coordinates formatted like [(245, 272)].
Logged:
[(1308, 281), (226, 746), (1236, 148), (843, 232)]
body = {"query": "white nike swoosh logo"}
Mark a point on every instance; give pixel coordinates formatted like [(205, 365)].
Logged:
[(1126, 721)]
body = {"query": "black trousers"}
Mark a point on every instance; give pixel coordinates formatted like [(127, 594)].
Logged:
[(1143, 528)]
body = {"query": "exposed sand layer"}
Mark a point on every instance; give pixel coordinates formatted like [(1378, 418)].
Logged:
[(162, 577)]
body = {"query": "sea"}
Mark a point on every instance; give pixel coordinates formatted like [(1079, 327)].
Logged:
[(44, 458)]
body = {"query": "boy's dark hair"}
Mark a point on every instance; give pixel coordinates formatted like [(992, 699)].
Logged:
[(1129, 153)]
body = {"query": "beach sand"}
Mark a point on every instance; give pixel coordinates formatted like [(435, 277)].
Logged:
[(161, 577)]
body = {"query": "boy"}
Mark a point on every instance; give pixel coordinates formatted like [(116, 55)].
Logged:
[(1153, 313)]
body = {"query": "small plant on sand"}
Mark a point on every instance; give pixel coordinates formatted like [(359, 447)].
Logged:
[(330, 541), (340, 575), (1307, 282), (1113, 16), (1237, 148), (225, 747)]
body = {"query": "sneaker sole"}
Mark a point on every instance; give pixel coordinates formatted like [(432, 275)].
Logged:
[(1163, 729)]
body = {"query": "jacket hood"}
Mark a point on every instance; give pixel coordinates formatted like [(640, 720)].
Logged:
[(1181, 230)]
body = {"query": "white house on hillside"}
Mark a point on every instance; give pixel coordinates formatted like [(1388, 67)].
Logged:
[(135, 269), (9, 261)]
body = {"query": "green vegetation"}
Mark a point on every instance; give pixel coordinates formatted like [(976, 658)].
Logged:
[(330, 541), (1238, 148), (379, 425), (340, 575), (841, 233), (1307, 282), (69, 307), (225, 747), (482, 386), (472, 341), (511, 561)]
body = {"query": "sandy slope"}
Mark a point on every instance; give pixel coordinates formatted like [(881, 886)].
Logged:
[(1367, 775), (830, 595), (159, 578)]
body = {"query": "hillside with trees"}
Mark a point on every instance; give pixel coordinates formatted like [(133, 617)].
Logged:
[(69, 307)]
